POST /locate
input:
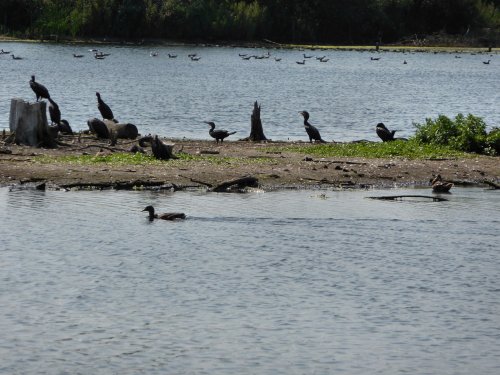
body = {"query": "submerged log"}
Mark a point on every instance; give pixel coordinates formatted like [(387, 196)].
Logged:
[(400, 197), (239, 183), (29, 124), (161, 150)]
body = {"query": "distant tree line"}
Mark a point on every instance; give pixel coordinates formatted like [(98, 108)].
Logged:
[(311, 21)]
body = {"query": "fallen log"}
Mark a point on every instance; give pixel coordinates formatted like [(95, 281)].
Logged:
[(239, 183), (400, 197)]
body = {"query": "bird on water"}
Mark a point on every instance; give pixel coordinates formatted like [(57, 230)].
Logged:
[(106, 112), (54, 112), (164, 216), (311, 130), (39, 89), (385, 134), (218, 134)]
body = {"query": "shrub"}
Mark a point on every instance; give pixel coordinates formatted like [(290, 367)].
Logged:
[(463, 133), (493, 141)]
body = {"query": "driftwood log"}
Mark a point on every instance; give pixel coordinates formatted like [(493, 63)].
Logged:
[(29, 124), (256, 130), (239, 184), (108, 129), (162, 151), (401, 197)]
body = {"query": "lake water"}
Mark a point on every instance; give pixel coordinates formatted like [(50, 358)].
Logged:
[(346, 96), (263, 283)]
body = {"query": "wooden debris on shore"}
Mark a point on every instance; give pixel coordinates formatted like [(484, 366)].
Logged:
[(239, 184), (28, 124), (162, 151), (256, 130), (493, 185), (109, 129), (401, 197)]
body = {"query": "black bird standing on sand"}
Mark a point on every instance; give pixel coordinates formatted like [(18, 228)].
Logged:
[(54, 112), (106, 112), (219, 133), (64, 127), (385, 134), (165, 216), (311, 131), (39, 89)]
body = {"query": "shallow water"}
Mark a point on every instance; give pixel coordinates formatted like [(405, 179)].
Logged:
[(346, 97), (264, 283)]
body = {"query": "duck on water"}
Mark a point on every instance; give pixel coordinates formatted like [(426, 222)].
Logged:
[(164, 216)]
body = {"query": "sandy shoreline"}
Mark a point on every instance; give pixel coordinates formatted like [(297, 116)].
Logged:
[(208, 164)]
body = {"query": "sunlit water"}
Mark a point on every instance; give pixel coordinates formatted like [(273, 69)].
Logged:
[(346, 96), (263, 283)]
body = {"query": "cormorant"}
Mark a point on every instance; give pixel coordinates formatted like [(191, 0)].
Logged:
[(311, 131), (219, 133), (16, 57), (301, 62), (54, 112), (106, 112), (165, 216), (486, 62), (65, 128), (385, 134), (39, 89), (77, 56)]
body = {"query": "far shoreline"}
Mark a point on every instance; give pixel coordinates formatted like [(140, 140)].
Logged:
[(392, 47)]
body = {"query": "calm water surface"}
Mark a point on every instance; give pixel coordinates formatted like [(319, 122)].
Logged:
[(347, 96), (262, 283)]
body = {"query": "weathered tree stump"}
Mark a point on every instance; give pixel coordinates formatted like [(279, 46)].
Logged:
[(161, 150), (29, 123), (256, 130)]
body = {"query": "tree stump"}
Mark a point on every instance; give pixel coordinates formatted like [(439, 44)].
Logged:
[(256, 130), (29, 124), (161, 150)]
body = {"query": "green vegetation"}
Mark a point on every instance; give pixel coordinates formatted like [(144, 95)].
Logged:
[(297, 21), (404, 149), (122, 158), (464, 133)]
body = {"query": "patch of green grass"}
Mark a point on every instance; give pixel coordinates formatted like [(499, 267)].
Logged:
[(143, 159), (404, 149)]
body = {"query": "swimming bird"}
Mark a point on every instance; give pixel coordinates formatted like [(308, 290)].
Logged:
[(374, 58), (301, 62), (77, 56), (385, 134), (440, 186), (311, 131), (154, 54), (106, 112), (54, 112), (39, 89), (307, 56), (195, 58), (16, 57), (171, 56), (486, 62), (164, 216), (4, 52), (277, 59), (219, 133)]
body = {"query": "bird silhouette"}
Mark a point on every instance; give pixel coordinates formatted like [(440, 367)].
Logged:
[(311, 130), (218, 134)]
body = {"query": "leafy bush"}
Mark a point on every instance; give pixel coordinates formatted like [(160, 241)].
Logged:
[(493, 141), (463, 133)]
